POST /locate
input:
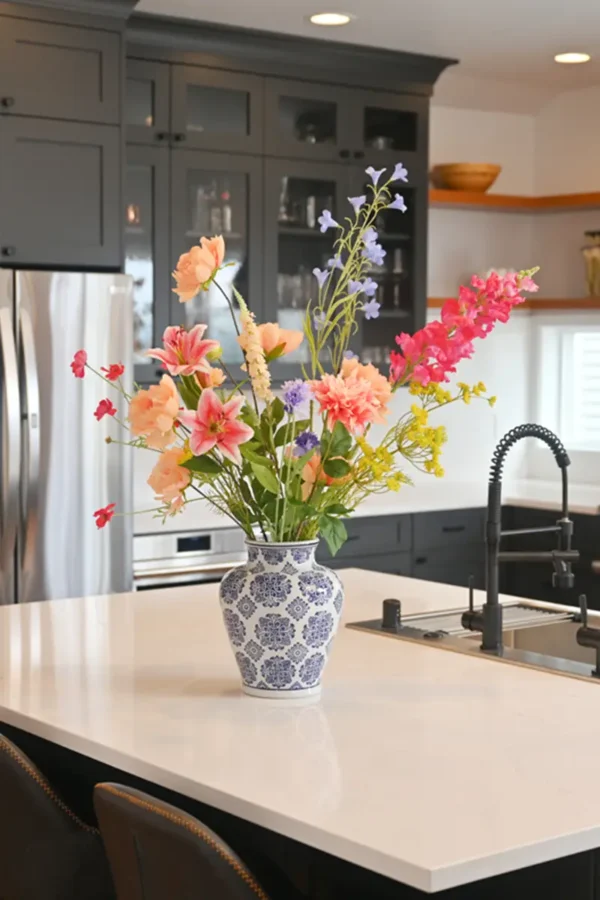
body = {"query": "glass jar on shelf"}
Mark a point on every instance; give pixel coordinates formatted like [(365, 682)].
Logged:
[(591, 255)]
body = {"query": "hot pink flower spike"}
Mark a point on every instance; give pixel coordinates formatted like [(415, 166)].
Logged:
[(215, 424), (104, 515), (78, 364), (105, 408), (184, 351)]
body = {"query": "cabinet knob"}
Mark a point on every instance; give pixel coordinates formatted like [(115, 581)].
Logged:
[(7, 102), (345, 154), (179, 137), (162, 135), (8, 251), (359, 154)]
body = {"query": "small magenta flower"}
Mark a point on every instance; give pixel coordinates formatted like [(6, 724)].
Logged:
[(319, 319), (370, 236), (335, 263), (369, 287), (296, 393), (321, 275), (354, 287), (357, 202), (348, 354), (326, 221), (305, 442), (371, 309), (375, 174), (398, 203), (374, 253), (399, 173)]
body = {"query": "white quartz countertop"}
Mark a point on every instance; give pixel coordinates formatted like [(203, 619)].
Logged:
[(432, 768), (428, 497)]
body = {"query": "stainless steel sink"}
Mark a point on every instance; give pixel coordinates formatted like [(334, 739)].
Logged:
[(534, 635)]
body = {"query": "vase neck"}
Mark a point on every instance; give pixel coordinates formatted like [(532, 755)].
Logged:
[(277, 556)]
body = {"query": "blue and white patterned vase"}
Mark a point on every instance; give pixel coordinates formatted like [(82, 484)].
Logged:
[(281, 610)]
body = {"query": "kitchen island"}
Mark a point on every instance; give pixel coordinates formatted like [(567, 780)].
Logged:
[(418, 771)]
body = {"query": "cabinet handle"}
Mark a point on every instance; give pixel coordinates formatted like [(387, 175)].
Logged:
[(7, 102), (179, 137), (452, 529), (345, 154), (162, 135), (8, 251), (359, 154)]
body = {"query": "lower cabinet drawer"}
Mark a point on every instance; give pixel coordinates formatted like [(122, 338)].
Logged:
[(448, 528), (451, 566), (393, 563)]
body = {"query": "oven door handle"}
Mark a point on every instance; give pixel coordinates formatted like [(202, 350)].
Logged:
[(206, 569)]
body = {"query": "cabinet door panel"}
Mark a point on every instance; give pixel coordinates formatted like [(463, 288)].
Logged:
[(306, 121), (215, 193), (216, 110), (452, 566), (388, 128), (392, 563), (60, 72), (60, 194), (147, 102), (147, 257)]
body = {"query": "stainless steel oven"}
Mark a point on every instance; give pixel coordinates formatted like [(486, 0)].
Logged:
[(182, 558)]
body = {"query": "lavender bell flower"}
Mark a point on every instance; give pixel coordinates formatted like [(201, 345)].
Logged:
[(305, 442), (335, 263), (296, 393), (369, 287), (399, 173), (348, 354), (370, 236), (326, 221), (374, 253), (375, 174), (354, 287), (319, 319), (357, 202), (321, 276), (398, 203), (371, 309)]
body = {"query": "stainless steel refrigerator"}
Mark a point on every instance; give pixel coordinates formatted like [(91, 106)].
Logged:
[(56, 466)]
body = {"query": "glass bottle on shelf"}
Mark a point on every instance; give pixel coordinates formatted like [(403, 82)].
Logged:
[(226, 212)]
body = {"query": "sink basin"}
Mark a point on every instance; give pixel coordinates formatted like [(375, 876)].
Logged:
[(534, 635)]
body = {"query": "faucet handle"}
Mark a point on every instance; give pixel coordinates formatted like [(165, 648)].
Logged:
[(584, 609)]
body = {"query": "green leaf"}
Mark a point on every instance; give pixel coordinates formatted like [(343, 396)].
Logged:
[(277, 410), (336, 468), (248, 416), (300, 461), (337, 509), (253, 457), (266, 478), (341, 440), (203, 465), (334, 532), (189, 391), (287, 434), (275, 353)]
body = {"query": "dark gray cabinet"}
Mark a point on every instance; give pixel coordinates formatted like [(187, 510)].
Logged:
[(59, 71), (307, 121), (147, 102), (59, 194)]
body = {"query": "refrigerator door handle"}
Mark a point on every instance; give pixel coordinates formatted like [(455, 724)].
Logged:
[(31, 464), (12, 438)]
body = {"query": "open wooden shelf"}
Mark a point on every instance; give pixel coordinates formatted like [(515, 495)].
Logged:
[(539, 304), (513, 203)]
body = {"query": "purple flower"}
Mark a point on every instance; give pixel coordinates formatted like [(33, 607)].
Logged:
[(348, 354), (369, 287), (399, 173), (398, 203), (305, 442), (326, 221), (335, 263), (321, 276), (374, 253), (319, 319), (371, 309), (295, 394), (354, 287), (357, 202), (375, 174), (370, 236)]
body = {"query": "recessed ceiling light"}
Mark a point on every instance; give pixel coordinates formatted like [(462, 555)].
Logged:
[(330, 18), (572, 57)]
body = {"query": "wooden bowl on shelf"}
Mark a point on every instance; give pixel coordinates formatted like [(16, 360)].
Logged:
[(477, 177)]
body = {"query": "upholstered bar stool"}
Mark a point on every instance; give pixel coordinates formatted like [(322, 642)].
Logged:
[(159, 852), (46, 851)]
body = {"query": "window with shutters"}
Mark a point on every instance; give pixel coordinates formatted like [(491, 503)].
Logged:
[(580, 389)]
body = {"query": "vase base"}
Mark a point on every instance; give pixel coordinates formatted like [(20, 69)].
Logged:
[(266, 694)]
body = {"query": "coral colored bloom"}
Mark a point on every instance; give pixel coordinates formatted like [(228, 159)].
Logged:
[(216, 424), (169, 478), (312, 472), (104, 515), (272, 336), (212, 378), (198, 266), (152, 413), (105, 408), (185, 352), (353, 370), (79, 363), (113, 372), (351, 401)]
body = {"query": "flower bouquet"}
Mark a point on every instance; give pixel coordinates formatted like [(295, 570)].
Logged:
[(289, 466)]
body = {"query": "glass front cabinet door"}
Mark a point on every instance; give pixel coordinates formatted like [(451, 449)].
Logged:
[(147, 102), (147, 251), (216, 194), (389, 128)]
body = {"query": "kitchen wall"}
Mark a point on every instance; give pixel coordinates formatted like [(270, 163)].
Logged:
[(567, 143)]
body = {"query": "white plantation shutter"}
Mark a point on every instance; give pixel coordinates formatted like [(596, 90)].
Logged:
[(580, 394)]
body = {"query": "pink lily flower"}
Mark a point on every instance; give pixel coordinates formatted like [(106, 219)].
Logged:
[(215, 424), (185, 352)]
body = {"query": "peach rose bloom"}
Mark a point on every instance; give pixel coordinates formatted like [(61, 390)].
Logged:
[(311, 473), (382, 389), (271, 336), (211, 379), (197, 266), (168, 478), (152, 413)]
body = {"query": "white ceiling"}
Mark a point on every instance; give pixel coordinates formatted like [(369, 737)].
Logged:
[(513, 41)]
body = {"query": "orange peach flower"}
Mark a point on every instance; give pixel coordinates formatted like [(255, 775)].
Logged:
[(168, 478), (211, 379), (313, 472), (382, 389), (271, 336), (152, 413), (198, 266)]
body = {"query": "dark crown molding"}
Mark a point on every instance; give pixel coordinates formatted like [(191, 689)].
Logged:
[(246, 49), (120, 9)]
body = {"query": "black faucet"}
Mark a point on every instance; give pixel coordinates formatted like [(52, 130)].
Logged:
[(489, 620)]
